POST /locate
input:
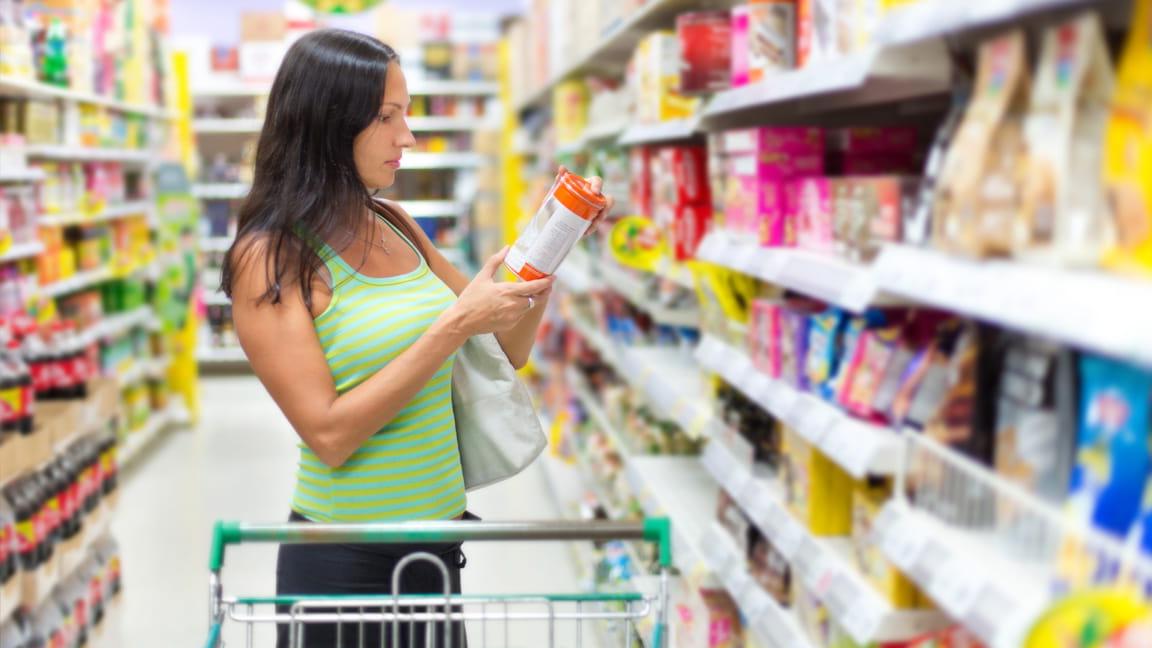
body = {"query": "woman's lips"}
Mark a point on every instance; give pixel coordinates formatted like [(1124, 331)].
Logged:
[(395, 164)]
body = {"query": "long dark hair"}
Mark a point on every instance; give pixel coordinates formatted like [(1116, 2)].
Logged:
[(329, 88)]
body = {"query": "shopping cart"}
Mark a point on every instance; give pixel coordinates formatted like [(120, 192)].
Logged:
[(419, 614)]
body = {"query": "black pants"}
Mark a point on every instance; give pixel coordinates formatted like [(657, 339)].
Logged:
[(364, 569)]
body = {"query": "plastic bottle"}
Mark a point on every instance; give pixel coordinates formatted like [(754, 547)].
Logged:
[(559, 223), (38, 356), (24, 507), (7, 542), (27, 400)]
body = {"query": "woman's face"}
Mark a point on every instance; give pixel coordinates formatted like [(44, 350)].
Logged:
[(378, 148)]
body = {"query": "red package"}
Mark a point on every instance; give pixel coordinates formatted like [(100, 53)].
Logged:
[(680, 176), (705, 51), (690, 224), (640, 180)]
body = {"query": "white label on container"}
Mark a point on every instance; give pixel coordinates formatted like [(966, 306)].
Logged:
[(555, 240)]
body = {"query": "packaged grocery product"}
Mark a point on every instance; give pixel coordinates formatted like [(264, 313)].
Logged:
[(734, 520), (1128, 148), (1112, 617), (690, 223), (1063, 216), (890, 200), (811, 613), (1036, 417), (867, 365), (815, 227), (794, 327), (868, 500), (725, 298), (772, 37), (563, 218), (679, 176), (823, 353), (796, 471), (764, 336), (656, 70), (717, 176), (981, 185), (741, 48), (705, 51), (1112, 458), (640, 180), (770, 568), (763, 166), (716, 623), (741, 197)]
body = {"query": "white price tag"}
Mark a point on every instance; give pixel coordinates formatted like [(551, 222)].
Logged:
[(781, 399), (815, 419), (754, 602), (744, 376), (715, 548), (811, 564), (862, 620), (851, 444), (756, 501), (747, 258), (715, 461), (783, 531), (736, 480), (957, 587), (932, 557), (760, 390)]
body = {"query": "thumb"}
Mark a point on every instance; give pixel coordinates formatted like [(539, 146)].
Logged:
[(492, 265)]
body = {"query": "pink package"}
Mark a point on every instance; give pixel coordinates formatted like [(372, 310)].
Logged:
[(814, 222), (764, 336), (740, 46), (742, 197)]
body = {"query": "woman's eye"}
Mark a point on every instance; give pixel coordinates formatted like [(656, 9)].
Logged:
[(385, 118)]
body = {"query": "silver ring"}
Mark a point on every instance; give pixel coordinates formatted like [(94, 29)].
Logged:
[(531, 303)]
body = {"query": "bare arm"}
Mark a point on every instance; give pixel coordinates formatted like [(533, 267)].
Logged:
[(281, 343)]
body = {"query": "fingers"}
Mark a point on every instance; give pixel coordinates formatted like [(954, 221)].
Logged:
[(530, 288), (492, 265), (596, 183)]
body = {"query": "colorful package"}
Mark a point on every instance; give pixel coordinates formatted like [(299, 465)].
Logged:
[(690, 223), (1064, 212), (772, 37), (1112, 457), (705, 51), (981, 186), (918, 223), (815, 228), (866, 369), (740, 46), (868, 500), (823, 351), (656, 79), (640, 184), (764, 336), (1128, 148), (769, 568), (891, 200), (778, 157), (741, 197)]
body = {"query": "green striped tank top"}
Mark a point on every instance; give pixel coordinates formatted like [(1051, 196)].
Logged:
[(410, 469)]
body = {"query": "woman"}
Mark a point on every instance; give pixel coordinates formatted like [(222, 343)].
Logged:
[(350, 317)]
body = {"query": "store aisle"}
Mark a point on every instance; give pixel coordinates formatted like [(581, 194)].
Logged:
[(239, 465)]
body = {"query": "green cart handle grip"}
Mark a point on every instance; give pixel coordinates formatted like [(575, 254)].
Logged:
[(655, 530)]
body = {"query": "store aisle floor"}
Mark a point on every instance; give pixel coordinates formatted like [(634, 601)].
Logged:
[(239, 465)]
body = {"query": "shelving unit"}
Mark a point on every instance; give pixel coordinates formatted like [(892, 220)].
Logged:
[(111, 212), (31, 88), (22, 251), (83, 154), (636, 291), (220, 190)]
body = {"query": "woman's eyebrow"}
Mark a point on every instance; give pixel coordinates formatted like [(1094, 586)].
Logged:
[(393, 103)]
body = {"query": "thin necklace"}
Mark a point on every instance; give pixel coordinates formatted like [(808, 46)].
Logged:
[(383, 245)]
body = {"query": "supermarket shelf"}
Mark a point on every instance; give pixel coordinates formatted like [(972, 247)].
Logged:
[(614, 49), (575, 273), (673, 383), (111, 212), (678, 273), (598, 340), (227, 126), (232, 355), (677, 488), (859, 447), (938, 18), (635, 290), (822, 276), (22, 251), (442, 161), (669, 131), (216, 244), (10, 85), (1093, 310), (433, 208), (91, 154), (25, 175), (114, 326), (136, 442), (871, 77), (595, 409), (436, 124), (606, 132), (77, 282), (417, 87), (824, 564), (216, 298), (220, 190)]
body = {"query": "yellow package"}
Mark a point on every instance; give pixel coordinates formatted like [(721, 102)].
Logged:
[(656, 80), (726, 300), (570, 109), (981, 183), (1128, 149), (816, 490), (1064, 216), (868, 500)]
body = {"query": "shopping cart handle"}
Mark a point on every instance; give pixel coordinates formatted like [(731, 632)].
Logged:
[(655, 530)]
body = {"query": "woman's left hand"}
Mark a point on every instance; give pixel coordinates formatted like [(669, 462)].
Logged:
[(597, 184)]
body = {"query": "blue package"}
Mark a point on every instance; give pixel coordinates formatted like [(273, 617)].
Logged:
[(1112, 456)]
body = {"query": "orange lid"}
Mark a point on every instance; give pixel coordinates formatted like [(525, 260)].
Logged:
[(577, 195)]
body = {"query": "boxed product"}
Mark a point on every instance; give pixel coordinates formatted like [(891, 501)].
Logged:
[(734, 520), (690, 223), (1036, 416), (705, 51), (640, 179), (818, 491), (570, 109), (823, 351), (868, 500), (771, 37), (656, 70), (679, 176), (815, 226), (1128, 148), (713, 623), (1113, 464), (1063, 216), (980, 193), (764, 336), (740, 52), (769, 568), (767, 161)]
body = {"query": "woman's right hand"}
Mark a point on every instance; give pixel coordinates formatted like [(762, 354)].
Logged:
[(489, 306)]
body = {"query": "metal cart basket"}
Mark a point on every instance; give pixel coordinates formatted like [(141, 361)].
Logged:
[(569, 619)]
